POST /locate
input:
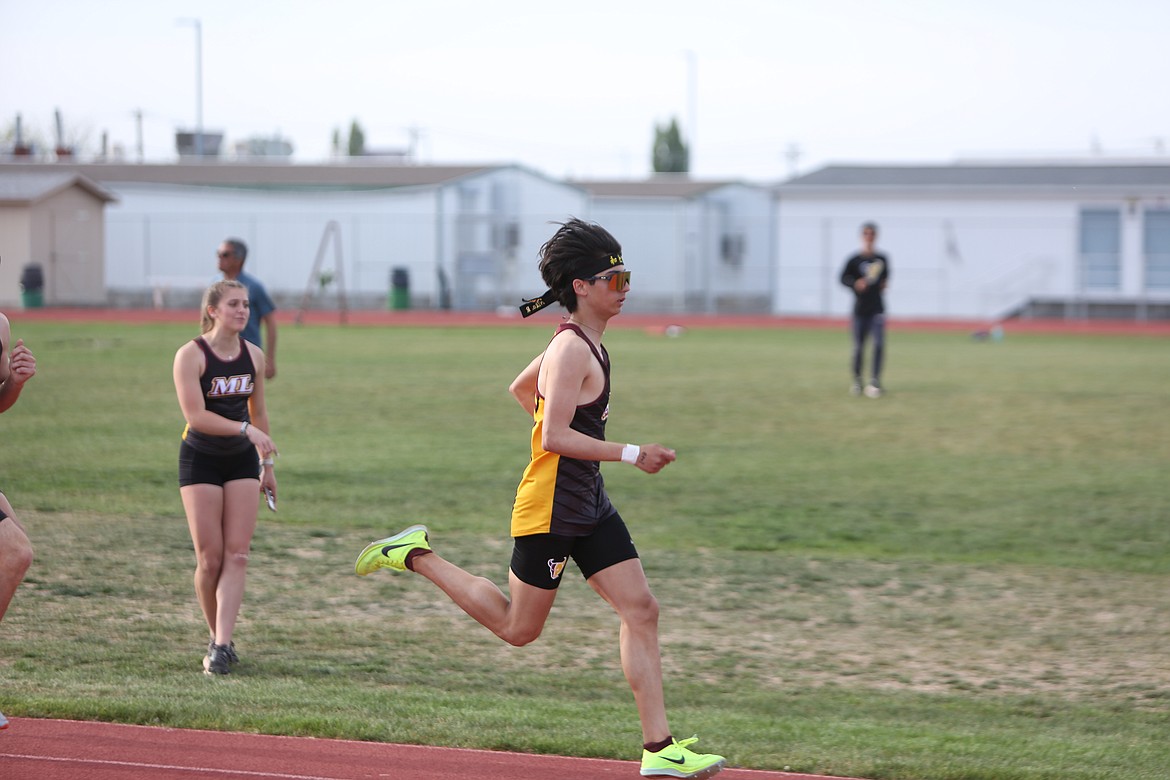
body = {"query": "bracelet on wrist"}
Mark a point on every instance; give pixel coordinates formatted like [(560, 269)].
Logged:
[(267, 462), (630, 453), (244, 427)]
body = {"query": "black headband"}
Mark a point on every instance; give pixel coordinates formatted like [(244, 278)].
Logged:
[(547, 298)]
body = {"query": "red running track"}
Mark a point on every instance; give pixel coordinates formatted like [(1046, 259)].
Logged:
[(34, 749)]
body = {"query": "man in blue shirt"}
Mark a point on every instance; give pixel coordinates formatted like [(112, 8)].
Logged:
[(232, 253)]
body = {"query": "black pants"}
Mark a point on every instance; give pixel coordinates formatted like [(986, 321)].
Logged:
[(864, 327)]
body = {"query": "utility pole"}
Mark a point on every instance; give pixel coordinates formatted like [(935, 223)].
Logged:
[(198, 25), (793, 154), (138, 129)]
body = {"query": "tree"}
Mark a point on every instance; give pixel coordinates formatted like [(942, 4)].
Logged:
[(357, 140), (670, 154)]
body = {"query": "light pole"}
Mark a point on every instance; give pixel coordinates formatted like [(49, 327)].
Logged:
[(198, 25), (692, 104)]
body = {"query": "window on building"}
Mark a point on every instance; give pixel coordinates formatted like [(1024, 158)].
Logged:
[(1100, 249), (1156, 248)]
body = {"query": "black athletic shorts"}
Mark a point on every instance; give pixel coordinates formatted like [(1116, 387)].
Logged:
[(540, 559), (199, 468)]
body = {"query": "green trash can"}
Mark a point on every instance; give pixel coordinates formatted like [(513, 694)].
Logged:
[(32, 287), (399, 289)]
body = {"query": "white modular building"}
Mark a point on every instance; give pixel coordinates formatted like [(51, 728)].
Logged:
[(460, 237), (456, 237), (692, 246), (966, 241), (982, 241)]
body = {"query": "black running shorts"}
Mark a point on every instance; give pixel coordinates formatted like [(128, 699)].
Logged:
[(540, 559), (199, 468)]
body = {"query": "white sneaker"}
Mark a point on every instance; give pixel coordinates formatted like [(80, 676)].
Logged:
[(855, 388), (873, 391), (3, 721)]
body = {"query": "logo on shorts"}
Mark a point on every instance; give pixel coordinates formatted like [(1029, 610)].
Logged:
[(556, 567)]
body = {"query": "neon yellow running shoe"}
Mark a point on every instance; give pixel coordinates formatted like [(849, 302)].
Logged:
[(390, 553), (675, 760)]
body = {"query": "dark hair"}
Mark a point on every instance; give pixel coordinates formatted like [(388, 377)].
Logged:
[(869, 226), (239, 248), (571, 253)]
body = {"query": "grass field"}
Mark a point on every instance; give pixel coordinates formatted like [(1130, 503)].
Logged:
[(964, 580)]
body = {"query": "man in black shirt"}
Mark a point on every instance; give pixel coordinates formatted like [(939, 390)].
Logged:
[(867, 273)]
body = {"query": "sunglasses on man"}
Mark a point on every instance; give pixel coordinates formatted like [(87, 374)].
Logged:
[(617, 281)]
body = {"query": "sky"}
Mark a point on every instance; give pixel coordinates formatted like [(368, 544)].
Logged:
[(761, 89)]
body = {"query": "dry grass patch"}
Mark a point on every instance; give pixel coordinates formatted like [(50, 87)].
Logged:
[(922, 627)]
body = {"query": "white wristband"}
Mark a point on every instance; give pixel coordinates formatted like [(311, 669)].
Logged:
[(630, 453), (267, 462), (244, 428)]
